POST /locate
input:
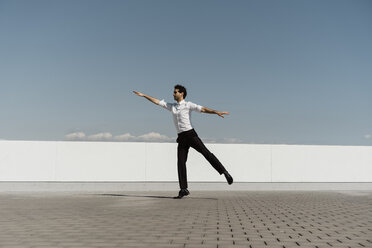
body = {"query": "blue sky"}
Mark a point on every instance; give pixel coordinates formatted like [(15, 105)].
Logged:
[(289, 72)]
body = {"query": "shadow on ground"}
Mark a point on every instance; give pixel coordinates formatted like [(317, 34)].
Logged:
[(159, 197)]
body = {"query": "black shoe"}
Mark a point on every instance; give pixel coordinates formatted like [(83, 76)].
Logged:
[(182, 193), (228, 177)]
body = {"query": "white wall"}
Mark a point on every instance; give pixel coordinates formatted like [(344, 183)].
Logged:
[(147, 162)]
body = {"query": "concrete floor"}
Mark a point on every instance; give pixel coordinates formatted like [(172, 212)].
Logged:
[(252, 219)]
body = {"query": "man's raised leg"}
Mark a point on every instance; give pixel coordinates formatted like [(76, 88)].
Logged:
[(198, 145)]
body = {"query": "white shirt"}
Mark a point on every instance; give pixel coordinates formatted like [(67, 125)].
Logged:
[(181, 113)]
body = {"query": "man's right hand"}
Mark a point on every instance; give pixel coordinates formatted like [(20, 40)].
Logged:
[(150, 98), (138, 93)]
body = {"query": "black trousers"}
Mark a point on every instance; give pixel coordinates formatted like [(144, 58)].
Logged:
[(189, 139)]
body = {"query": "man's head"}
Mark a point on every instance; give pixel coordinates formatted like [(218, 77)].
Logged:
[(179, 93)]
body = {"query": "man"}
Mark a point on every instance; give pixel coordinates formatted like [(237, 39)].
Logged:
[(187, 137)]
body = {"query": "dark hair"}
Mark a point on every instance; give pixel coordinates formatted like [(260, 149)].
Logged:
[(181, 89)]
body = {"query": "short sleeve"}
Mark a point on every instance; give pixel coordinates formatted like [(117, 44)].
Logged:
[(165, 105), (195, 107)]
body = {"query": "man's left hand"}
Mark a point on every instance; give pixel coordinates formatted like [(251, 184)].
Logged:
[(222, 113)]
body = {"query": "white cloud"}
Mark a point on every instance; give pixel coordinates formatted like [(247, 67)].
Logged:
[(232, 140), (367, 136), (127, 137), (75, 136), (222, 141), (100, 137), (154, 137)]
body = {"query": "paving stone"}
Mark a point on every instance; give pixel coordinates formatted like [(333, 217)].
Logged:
[(203, 219)]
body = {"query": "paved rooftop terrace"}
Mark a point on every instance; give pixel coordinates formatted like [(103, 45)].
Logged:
[(252, 219)]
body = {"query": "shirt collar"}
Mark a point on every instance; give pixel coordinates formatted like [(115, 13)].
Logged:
[(181, 102)]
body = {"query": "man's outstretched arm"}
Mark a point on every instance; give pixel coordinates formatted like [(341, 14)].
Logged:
[(211, 111), (150, 98)]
